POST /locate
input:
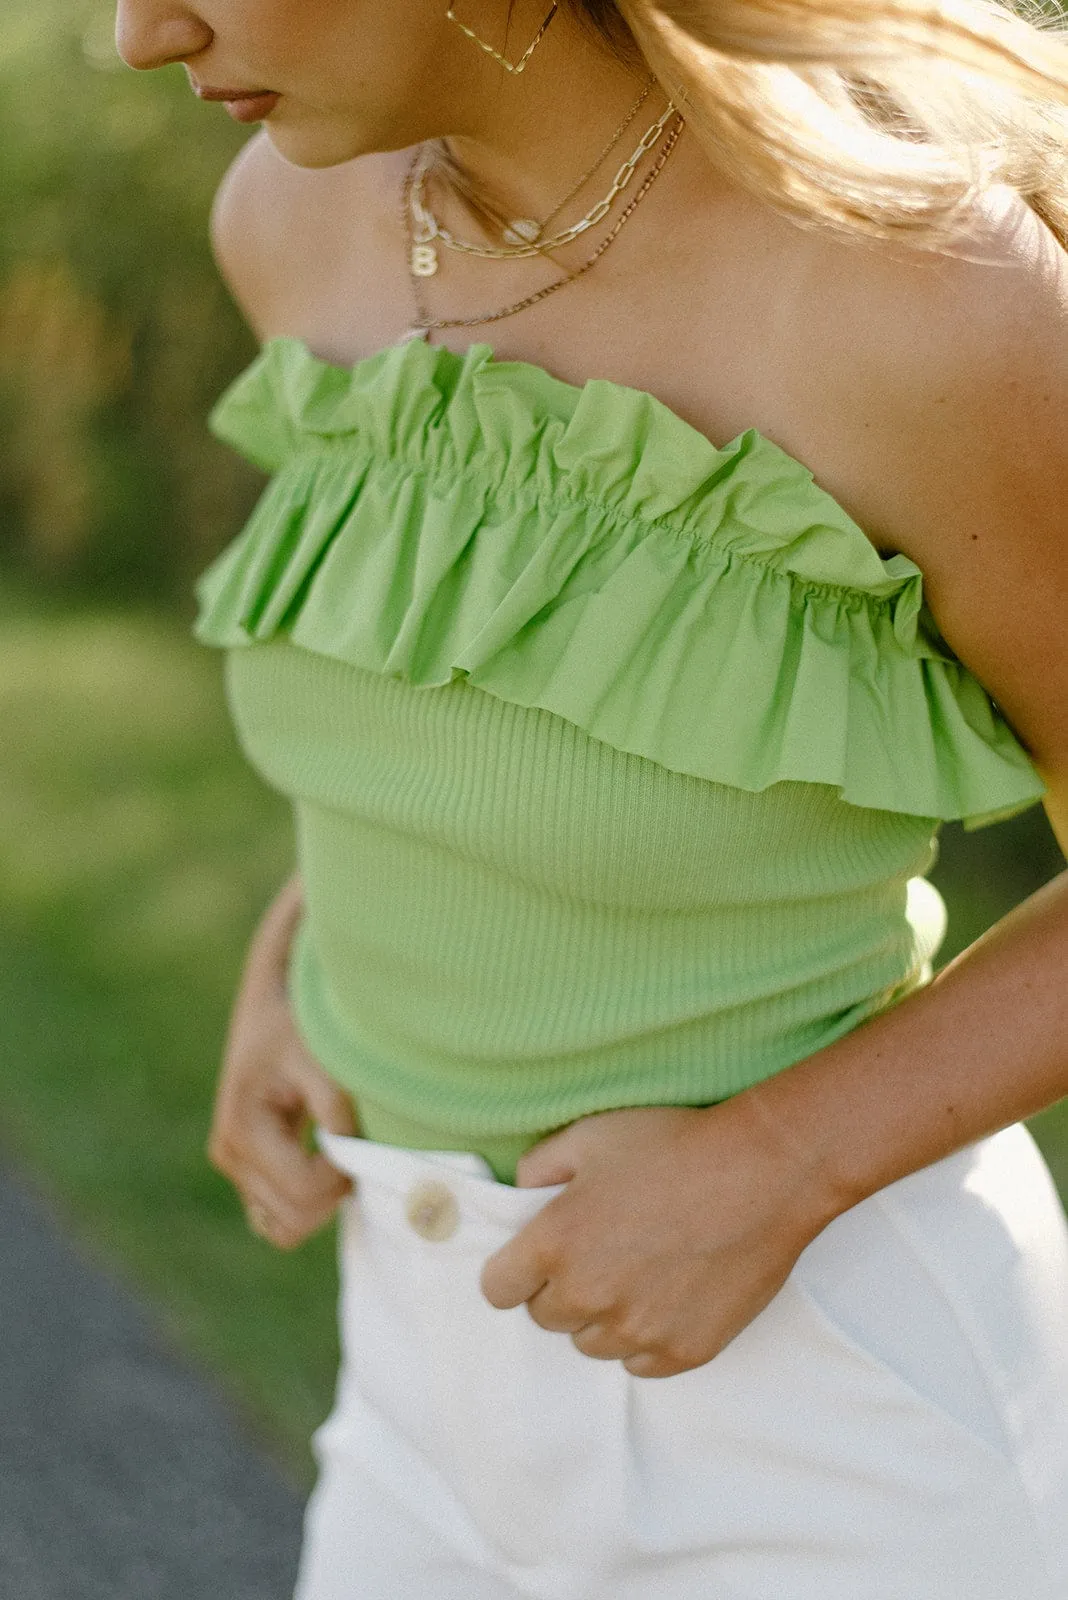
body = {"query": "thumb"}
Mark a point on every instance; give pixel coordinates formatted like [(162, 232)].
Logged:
[(552, 1160), (326, 1100)]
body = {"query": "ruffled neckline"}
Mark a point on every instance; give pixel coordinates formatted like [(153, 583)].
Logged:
[(586, 550), (410, 396), (436, 368)]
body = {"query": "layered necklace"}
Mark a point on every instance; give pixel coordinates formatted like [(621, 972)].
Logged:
[(524, 237), (526, 230)]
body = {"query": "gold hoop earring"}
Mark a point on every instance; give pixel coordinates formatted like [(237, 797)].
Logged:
[(510, 66)]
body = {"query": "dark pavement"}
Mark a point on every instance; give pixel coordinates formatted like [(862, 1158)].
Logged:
[(123, 1476)]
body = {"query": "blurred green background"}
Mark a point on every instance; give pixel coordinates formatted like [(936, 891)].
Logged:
[(136, 849)]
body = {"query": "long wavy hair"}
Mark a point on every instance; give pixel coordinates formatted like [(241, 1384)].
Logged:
[(881, 119)]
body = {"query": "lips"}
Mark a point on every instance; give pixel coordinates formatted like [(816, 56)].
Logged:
[(244, 105), (252, 108)]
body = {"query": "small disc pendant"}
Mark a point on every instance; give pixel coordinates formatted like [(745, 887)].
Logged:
[(415, 333), (524, 230), (424, 260)]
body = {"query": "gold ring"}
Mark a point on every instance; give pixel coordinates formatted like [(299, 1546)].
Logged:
[(259, 1218)]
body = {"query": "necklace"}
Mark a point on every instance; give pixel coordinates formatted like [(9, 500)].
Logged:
[(525, 230), (425, 227), (423, 324)]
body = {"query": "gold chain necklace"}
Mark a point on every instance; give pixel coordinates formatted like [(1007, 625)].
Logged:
[(425, 228), (525, 230), (424, 324)]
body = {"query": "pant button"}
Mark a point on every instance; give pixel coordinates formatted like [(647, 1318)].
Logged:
[(432, 1210)]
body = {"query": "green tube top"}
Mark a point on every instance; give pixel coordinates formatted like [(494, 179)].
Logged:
[(616, 759)]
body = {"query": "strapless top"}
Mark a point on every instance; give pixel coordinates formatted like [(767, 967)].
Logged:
[(616, 757)]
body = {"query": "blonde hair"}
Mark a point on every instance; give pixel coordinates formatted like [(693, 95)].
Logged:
[(881, 119)]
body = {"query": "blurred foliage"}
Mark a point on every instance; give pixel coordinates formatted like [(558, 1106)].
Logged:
[(137, 850), (115, 331)]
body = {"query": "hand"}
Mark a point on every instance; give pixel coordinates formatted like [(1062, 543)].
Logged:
[(676, 1228), (270, 1089)]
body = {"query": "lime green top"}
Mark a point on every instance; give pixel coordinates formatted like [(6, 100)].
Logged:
[(616, 758)]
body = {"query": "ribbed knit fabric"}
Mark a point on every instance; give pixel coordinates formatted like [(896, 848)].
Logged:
[(616, 759)]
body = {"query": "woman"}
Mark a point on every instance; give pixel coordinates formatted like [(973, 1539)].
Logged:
[(618, 754)]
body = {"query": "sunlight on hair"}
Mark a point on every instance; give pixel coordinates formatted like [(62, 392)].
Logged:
[(879, 118)]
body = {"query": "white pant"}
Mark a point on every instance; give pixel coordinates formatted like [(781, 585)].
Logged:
[(893, 1426)]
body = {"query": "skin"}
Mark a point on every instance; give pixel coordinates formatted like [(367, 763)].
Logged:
[(927, 395)]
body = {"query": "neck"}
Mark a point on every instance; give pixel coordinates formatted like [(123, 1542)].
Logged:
[(532, 134)]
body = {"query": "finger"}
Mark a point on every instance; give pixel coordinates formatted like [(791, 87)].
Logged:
[(293, 1220), (258, 1218), (265, 1224), (265, 1148), (305, 1179), (272, 1219), (287, 1078), (648, 1365), (513, 1274), (268, 1156), (325, 1100), (601, 1343), (550, 1161), (550, 1310)]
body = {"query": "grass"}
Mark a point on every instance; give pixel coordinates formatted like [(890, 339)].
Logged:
[(137, 851)]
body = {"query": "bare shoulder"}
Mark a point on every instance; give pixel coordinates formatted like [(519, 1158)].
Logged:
[(959, 435), (914, 360), (294, 245), (960, 362), (931, 315)]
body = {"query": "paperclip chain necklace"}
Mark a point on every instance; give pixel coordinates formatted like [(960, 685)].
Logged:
[(424, 324), (523, 231), (427, 228)]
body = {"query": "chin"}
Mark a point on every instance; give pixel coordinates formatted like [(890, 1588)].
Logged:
[(305, 150), (320, 145)]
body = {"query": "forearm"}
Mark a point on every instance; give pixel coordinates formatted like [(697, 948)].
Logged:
[(982, 1046)]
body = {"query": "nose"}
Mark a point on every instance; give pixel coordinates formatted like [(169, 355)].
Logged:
[(155, 33)]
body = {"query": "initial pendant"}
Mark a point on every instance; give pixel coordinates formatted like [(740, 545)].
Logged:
[(424, 260)]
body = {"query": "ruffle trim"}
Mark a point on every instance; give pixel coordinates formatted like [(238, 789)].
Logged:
[(588, 552)]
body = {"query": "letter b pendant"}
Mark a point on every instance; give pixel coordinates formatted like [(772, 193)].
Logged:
[(424, 260)]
